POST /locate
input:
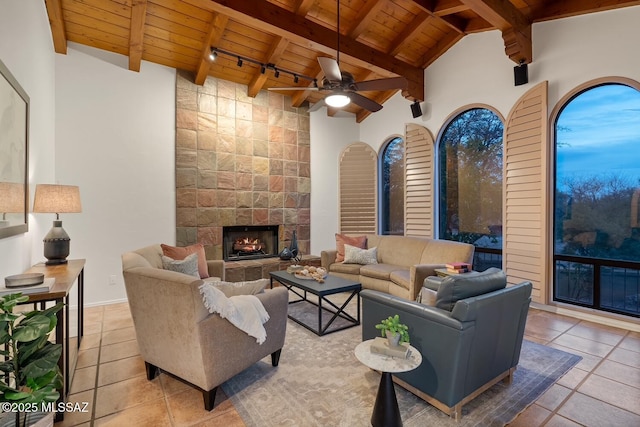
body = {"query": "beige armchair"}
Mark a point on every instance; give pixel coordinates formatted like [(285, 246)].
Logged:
[(178, 335)]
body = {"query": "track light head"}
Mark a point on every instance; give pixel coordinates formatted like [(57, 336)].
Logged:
[(263, 69), (213, 54), (277, 73), (295, 78), (239, 62)]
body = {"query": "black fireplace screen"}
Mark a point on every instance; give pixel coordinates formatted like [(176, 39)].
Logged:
[(249, 242)]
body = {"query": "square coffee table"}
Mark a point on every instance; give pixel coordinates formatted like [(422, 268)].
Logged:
[(332, 285)]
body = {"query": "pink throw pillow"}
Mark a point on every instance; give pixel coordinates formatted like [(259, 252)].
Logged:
[(180, 253), (341, 240)]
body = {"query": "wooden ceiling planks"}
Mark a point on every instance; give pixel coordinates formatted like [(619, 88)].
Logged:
[(379, 38)]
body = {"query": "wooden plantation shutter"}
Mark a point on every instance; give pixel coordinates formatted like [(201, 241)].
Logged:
[(418, 185), (526, 204), (358, 189)]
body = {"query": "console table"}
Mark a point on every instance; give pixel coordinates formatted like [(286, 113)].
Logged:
[(66, 276)]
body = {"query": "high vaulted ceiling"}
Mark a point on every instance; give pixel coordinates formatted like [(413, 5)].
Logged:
[(378, 38)]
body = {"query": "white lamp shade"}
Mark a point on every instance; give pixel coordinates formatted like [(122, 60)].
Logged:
[(52, 198)]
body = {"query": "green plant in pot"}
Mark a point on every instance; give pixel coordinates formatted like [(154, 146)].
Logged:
[(395, 331), (31, 375)]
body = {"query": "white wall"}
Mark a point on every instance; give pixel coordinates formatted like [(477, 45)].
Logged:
[(328, 139), (115, 138), (567, 53), (27, 51)]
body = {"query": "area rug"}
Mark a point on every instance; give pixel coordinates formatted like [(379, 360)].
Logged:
[(319, 382)]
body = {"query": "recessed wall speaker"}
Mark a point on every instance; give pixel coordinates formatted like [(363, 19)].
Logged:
[(416, 110), (520, 74)]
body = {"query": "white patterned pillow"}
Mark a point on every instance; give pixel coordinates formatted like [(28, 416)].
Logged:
[(353, 255), (189, 265)]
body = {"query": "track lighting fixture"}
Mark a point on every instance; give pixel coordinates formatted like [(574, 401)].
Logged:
[(241, 60)]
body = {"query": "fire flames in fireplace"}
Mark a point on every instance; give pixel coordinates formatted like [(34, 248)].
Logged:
[(247, 245)]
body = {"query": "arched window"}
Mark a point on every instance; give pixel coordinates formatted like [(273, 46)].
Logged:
[(470, 184), (391, 202), (597, 182)]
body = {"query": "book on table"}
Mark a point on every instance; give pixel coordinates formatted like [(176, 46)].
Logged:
[(458, 267), (26, 290), (381, 346)]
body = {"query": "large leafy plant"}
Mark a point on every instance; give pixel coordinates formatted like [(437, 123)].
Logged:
[(30, 366)]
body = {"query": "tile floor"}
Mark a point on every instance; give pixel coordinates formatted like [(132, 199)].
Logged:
[(602, 390)]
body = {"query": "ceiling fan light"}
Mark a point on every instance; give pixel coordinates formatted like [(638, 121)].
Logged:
[(337, 100)]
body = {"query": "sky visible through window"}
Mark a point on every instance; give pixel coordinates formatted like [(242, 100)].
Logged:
[(598, 133)]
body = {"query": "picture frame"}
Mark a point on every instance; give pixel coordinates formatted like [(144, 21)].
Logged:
[(14, 155)]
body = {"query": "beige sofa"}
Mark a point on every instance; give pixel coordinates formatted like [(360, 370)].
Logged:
[(178, 335), (403, 263)]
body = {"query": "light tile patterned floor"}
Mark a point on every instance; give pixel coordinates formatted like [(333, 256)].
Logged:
[(602, 390)]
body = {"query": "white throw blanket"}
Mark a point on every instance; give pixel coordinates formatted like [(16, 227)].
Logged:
[(245, 312)]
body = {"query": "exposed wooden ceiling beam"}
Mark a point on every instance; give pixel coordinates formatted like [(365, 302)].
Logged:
[(273, 56), (515, 27), (136, 33), (56, 21), (269, 17), (453, 22), (364, 18), (437, 50), (449, 7), (216, 29), (407, 35), (303, 6)]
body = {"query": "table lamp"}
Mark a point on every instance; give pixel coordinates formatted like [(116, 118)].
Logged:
[(56, 199), (11, 200)]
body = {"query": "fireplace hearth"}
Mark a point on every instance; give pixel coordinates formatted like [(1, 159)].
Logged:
[(244, 242)]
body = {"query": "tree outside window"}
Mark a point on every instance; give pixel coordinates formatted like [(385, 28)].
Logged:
[(392, 188), (470, 183), (597, 190)]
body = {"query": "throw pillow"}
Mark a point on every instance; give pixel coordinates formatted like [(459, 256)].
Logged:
[(353, 255), (231, 289), (462, 286), (341, 240), (189, 265), (182, 252)]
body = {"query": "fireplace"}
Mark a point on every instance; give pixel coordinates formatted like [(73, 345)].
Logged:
[(241, 242)]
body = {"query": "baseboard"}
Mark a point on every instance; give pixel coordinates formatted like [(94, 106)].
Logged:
[(101, 303), (590, 315)]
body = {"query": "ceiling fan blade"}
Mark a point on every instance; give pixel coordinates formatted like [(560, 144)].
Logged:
[(330, 69), (317, 106), (364, 102), (390, 83)]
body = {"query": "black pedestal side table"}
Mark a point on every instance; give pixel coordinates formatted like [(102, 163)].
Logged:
[(385, 411)]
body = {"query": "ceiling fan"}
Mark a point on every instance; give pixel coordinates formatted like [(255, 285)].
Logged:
[(342, 85)]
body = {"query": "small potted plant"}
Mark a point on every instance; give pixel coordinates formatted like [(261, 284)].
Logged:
[(30, 373), (395, 331)]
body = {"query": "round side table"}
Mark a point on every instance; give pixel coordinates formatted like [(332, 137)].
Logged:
[(385, 411)]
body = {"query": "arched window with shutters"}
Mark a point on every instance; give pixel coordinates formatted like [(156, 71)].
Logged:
[(470, 184), (391, 188)]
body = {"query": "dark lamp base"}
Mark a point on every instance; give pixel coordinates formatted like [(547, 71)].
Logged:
[(56, 261)]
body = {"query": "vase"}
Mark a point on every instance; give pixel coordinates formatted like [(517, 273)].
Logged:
[(393, 339), (293, 247)]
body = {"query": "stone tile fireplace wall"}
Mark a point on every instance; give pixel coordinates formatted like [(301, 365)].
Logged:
[(239, 161)]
